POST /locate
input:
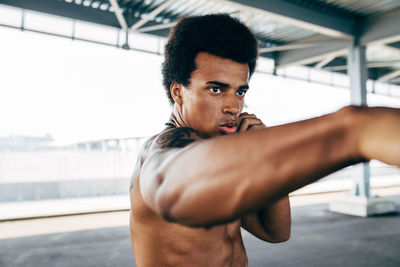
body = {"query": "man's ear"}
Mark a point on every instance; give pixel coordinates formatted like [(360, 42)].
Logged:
[(176, 92)]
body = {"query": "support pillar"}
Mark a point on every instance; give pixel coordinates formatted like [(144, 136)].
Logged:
[(357, 71), (360, 203)]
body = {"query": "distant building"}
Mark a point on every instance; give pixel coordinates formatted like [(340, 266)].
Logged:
[(22, 143), (26, 143)]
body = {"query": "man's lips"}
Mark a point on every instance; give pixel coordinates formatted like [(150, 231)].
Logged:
[(229, 127), (228, 130)]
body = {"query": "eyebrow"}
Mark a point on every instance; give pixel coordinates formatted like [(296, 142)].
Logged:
[(226, 85)]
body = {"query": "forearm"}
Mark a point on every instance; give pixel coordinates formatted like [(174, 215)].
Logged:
[(218, 180), (271, 223), (276, 220), (380, 135)]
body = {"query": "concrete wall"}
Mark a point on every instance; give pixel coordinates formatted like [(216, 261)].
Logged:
[(26, 176), (28, 191), (65, 165)]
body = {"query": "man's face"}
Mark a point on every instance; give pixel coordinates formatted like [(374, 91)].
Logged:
[(215, 97)]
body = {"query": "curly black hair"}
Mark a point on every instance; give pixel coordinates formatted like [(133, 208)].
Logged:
[(217, 34)]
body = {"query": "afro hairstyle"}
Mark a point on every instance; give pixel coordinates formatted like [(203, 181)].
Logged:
[(217, 34)]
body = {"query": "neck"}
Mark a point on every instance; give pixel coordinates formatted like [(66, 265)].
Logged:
[(176, 117)]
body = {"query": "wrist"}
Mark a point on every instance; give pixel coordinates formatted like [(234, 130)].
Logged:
[(353, 123)]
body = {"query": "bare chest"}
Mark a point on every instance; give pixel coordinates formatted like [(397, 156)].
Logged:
[(157, 242)]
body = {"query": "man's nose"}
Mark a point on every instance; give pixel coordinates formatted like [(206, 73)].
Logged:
[(231, 105)]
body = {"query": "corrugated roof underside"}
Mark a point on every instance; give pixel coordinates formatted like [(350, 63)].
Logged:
[(264, 27), (364, 7)]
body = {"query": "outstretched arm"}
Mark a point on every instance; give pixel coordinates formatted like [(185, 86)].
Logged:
[(224, 178)]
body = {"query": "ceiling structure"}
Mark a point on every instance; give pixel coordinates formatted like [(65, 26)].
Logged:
[(314, 33)]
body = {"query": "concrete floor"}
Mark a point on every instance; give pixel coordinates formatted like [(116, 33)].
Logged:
[(319, 238)]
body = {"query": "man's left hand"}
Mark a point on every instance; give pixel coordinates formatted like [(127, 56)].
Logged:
[(249, 122)]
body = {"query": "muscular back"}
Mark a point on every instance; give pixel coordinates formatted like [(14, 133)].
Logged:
[(157, 242)]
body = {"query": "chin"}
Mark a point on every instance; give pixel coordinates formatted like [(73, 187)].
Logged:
[(212, 134), (220, 133)]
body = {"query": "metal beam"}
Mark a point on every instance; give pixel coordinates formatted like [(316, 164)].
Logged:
[(292, 46), (325, 61), (157, 27), (77, 38), (119, 15), (396, 80), (383, 64), (313, 54), (303, 17), (381, 29), (152, 14), (69, 10), (389, 76)]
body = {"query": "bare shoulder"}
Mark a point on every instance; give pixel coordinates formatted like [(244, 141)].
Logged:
[(163, 142), (176, 138), (141, 157), (170, 138)]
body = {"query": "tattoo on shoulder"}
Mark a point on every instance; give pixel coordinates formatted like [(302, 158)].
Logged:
[(178, 137)]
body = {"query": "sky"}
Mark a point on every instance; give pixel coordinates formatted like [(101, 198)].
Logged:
[(78, 91)]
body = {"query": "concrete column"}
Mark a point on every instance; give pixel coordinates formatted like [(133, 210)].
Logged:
[(357, 71), (359, 203), (361, 177)]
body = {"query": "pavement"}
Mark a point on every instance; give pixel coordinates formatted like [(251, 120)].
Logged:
[(62, 206), (319, 238)]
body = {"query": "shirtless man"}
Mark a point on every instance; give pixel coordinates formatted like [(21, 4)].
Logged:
[(213, 169)]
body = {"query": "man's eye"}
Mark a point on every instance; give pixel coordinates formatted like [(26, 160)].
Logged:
[(215, 90), (241, 92)]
